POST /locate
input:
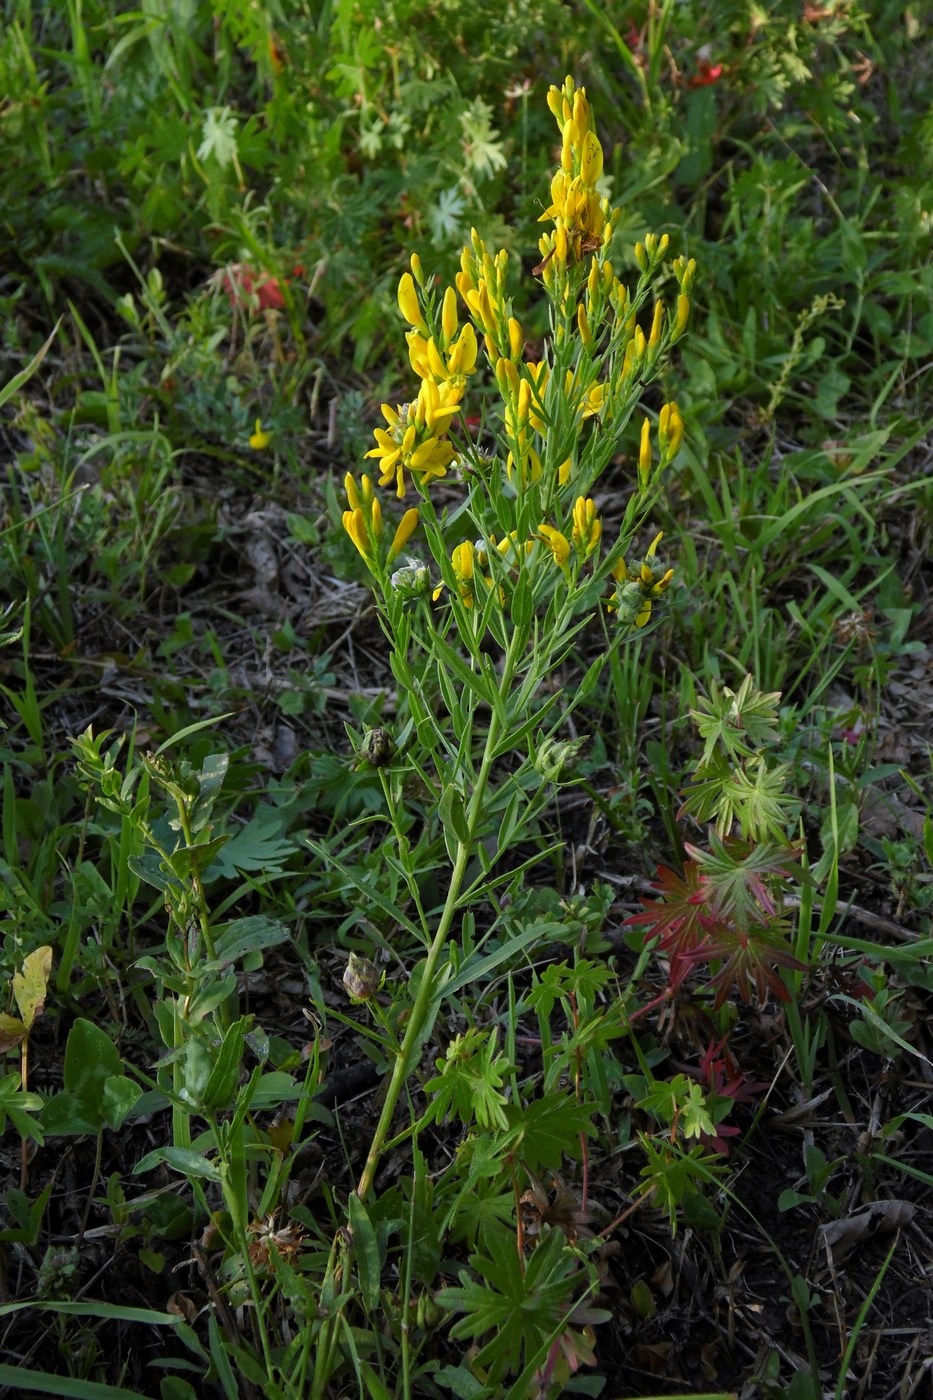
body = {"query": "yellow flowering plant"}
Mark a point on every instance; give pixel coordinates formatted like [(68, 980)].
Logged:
[(499, 558)]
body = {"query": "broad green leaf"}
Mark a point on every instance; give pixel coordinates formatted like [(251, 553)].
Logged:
[(119, 1097), (67, 1115), (549, 1129), (249, 935), (258, 846), (91, 1058)]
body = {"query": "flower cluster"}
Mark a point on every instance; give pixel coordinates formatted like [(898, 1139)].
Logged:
[(583, 221), (639, 585), (606, 343), (415, 438)]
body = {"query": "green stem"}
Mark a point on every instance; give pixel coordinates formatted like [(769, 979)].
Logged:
[(416, 1023), (204, 922), (426, 990)]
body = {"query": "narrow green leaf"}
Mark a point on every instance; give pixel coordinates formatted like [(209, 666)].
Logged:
[(366, 1253), (194, 729), (113, 1312), (14, 385), (21, 1382)]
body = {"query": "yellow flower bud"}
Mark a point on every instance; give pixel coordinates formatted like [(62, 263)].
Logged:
[(516, 338), (583, 325), (587, 526), (259, 440), (670, 432), (506, 378), (408, 303), (449, 316), (581, 112), (417, 270), (654, 338), (403, 533), (644, 456), (641, 255), (683, 315), (353, 496), (484, 309)]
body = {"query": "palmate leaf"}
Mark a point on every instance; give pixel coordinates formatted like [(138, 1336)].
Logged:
[(747, 958), (470, 1081), (548, 1130), (681, 916), (521, 1307), (740, 875), (723, 910), (739, 720)]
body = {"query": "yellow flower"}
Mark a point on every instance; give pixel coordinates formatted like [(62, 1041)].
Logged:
[(463, 559), (455, 362), (557, 544), (654, 339), (259, 440), (354, 522), (414, 440)]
